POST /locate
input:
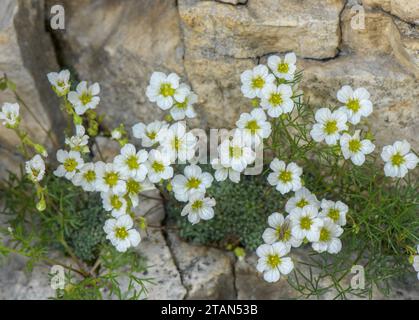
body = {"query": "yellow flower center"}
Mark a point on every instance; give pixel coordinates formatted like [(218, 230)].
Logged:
[(198, 204), (275, 99), (283, 233), (324, 235), (132, 162), (116, 203), (182, 105), (331, 127), (273, 260), (235, 152), (60, 83), (166, 90), (70, 164), (111, 178), (253, 126), (353, 104), (397, 159), (133, 187), (157, 166), (193, 183), (151, 135), (89, 176), (85, 98), (283, 67), (334, 214), (305, 223), (354, 145), (258, 83), (285, 176), (302, 203), (35, 172), (121, 233), (176, 143)]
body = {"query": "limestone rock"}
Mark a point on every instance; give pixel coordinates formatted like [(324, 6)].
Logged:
[(235, 2), (407, 10), (206, 272), (119, 44), (161, 268), (26, 56), (17, 283), (212, 29), (381, 35)]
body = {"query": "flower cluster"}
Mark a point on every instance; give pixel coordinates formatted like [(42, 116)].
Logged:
[(165, 145), (333, 127), (34, 167), (308, 220)]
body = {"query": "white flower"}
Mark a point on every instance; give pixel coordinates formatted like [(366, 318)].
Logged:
[(254, 125), (398, 159), (236, 153), (132, 163), (164, 91), (182, 109), (416, 261), (10, 114), (60, 82), (177, 143), (87, 176), (158, 166), (329, 237), (71, 163), (135, 187), (199, 208), (149, 134), (285, 177), (280, 231), (328, 126), (116, 134), (355, 148), (35, 168), (223, 172), (283, 69), (121, 233), (306, 223), (277, 99), (110, 178), (272, 261), (84, 98), (253, 81), (78, 141), (302, 198), (114, 203), (336, 211), (357, 103), (193, 181)]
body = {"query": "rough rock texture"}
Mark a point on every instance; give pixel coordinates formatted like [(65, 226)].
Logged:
[(407, 10), (207, 273), (18, 284), (26, 55)]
